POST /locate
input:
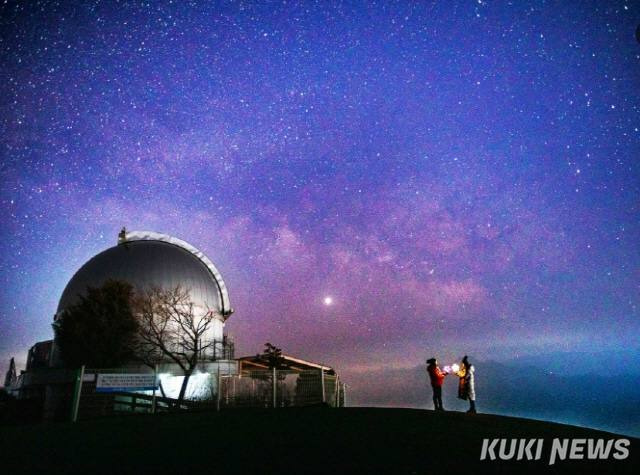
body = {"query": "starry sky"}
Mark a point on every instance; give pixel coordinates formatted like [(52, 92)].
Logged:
[(456, 177)]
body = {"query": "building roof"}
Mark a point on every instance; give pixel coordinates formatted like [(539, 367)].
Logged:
[(258, 362)]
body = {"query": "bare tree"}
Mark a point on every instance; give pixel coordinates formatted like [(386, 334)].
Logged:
[(173, 329)]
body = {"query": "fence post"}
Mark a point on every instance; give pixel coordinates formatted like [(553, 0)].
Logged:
[(344, 395), (275, 388), (76, 394), (219, 389), (155, 383), (324, 396)]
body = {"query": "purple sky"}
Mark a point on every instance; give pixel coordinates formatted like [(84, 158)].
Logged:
[(459, 178)]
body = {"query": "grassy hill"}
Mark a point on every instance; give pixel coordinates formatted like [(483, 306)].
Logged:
[(291, 441)]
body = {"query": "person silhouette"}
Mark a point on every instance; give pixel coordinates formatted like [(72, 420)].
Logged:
[(466, 384), (436, 376)]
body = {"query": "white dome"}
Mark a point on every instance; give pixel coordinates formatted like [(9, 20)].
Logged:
[(145, 260)]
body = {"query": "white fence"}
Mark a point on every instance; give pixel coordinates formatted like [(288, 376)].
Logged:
[(281, 388), (211, 390)]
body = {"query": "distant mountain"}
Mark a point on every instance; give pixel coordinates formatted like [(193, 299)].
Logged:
[(615, 363), (602, 401)]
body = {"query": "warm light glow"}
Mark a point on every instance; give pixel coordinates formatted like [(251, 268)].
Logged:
[(328, 300), (199, 387), (455, 368)]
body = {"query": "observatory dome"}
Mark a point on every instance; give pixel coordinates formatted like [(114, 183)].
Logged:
[(146, 260)]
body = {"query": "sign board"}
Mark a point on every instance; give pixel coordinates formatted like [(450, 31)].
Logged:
[(113, 382)]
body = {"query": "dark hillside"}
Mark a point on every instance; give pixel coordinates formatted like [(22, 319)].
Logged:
[(293, 441)]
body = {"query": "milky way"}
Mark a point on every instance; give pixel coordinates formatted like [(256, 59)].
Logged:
[(458, 178)]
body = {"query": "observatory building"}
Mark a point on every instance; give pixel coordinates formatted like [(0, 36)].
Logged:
[(149, 260)]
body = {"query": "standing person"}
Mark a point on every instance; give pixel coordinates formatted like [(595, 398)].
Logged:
[(436, 375), (466, 385)]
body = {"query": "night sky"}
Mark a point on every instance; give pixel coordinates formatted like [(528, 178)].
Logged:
[(459, 178)]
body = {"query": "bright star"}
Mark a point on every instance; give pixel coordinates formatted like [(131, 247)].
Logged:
[(328, 300)]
